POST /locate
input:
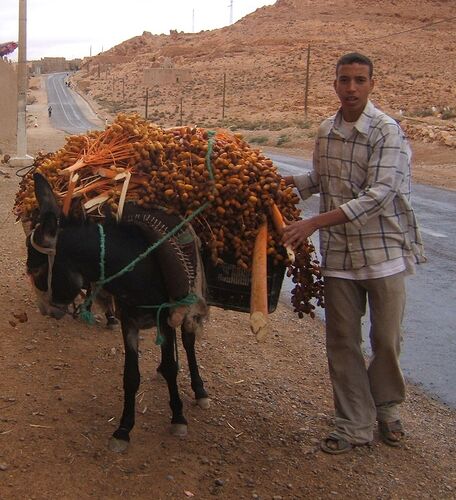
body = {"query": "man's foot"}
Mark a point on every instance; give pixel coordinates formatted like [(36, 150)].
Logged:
[(391, 433), (335, 445)]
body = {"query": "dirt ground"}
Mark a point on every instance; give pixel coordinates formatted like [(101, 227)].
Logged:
[(271, 403)]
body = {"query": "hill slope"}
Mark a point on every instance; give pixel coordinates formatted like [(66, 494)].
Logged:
[(264, 57)]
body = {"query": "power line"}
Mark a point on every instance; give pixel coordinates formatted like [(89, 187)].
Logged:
[(406, 31)]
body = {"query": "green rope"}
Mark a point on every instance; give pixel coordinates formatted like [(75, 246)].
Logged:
[(190, 299), (210, 144), (102, 251), (85, 314), (129, 267)]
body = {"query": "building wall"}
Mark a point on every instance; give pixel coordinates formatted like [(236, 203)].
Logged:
[(110, 59), (163, 76), (54, 65), (8, 107)]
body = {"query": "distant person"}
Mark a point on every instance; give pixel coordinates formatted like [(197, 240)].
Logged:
[(35, 124), (369, 242), (49, 111)]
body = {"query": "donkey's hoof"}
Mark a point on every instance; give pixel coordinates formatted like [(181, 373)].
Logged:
[(203, 403), (178, 430), (118, 445), (113, 323)]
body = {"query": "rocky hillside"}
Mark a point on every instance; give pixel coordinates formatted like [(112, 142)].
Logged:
[(264, 58)]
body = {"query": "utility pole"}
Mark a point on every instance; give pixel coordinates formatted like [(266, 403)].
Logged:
[(146, 110), (306, 94), (22, 159), (231, 12), (193, 21), (223, 98)]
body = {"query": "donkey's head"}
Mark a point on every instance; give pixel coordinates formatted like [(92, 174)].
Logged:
[(56, 284)]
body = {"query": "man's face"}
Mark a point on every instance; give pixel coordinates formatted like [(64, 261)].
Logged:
[(353, 86)]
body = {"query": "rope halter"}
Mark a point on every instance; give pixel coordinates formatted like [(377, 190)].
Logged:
[(50, 252)]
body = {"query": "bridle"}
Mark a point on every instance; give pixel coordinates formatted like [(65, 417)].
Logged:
[(50, 252)]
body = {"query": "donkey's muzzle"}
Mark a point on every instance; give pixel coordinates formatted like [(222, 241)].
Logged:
[(46, 308), (57, 312)]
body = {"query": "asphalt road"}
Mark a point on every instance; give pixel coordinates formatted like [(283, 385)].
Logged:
[(67, 109), (429, 348)]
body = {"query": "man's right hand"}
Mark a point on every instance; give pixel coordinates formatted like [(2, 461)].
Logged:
[(289, 181), (296, 234)]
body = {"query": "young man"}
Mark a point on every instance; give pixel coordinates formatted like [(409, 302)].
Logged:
[(369, 241)]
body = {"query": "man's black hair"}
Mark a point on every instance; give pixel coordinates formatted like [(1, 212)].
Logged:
[(355, 57)]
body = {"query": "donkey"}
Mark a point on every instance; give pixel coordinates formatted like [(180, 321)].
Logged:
[(63, 255)]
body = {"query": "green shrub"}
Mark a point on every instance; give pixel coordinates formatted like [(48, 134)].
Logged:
[(259, 139), (447, 114), (282, 140), (303, 124), (422, 113)]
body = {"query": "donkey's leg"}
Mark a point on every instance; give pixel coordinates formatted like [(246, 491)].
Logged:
[(112, 323), (169, 368), (106, 301), (188, 340), (131, 378)]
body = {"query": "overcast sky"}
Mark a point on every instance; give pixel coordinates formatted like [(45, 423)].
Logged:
[(72, 28)]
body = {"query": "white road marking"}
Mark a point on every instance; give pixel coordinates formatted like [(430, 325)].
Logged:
[(53, 80), (430, 232), (69, 106)]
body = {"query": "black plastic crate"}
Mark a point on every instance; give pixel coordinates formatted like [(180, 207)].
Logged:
[(229, 286)]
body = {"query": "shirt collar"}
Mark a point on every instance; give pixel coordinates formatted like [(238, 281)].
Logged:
[(362, 124)]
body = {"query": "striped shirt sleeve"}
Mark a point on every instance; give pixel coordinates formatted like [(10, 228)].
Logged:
[(385, 174)]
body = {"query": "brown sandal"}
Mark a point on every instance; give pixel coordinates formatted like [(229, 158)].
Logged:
[(391, 433), (335, 445)]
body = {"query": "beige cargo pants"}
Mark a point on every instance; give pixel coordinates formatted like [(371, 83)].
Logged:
[(364, 393)]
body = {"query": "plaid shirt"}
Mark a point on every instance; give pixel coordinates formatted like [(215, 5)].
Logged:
[(367, 175)]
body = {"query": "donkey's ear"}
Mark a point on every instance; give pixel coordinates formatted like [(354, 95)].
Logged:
[(45, 196), (46, 230)]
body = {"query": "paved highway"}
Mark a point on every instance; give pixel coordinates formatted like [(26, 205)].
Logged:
[(429, 349), (69, 112)]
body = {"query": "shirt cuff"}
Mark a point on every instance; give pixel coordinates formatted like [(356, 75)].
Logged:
[(304, 185), (354, 213)]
